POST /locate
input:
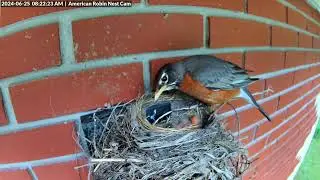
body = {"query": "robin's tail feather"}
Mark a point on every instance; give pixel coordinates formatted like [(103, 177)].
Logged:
[(244, 93)]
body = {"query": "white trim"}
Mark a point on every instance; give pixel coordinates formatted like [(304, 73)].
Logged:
[(304, 149), (41, 162)]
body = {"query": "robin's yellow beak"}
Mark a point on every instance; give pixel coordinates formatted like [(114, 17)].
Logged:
[(160, 91)]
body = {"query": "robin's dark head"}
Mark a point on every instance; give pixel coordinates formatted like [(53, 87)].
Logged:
[(169, 78)]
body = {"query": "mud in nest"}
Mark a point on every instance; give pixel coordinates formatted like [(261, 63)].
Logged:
[(158, 140)]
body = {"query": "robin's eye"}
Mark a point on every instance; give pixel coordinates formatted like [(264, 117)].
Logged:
[(164, 78)]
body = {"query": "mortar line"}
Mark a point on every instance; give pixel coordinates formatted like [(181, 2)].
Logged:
[(278, 149), (285, 71), (258, 139), (287, 15), (144, 2), (86, 13), (206, 31), (312, 42), (32, 173), (270, 35), (42, 162), (293, 7), (273, 142), (73, 117), (298, 34), (146, 76), (114, 61), (280, 110), (66, 40), (8, 107), (281, 136), (41, 123), (246, 6)]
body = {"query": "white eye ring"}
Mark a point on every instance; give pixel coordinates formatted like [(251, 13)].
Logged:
[(164, 78)]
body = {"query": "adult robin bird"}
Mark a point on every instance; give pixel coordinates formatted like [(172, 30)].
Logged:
[(208, 79)]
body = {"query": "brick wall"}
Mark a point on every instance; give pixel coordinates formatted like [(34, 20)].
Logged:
[(57, 63)]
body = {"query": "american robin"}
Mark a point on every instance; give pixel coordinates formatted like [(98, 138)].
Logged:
[(208, 79)]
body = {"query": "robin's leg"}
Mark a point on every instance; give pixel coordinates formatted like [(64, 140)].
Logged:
[(215, 109)]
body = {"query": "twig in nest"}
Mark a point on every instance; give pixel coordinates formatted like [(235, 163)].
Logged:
[(237, 118), (106, 160), (163, 115)]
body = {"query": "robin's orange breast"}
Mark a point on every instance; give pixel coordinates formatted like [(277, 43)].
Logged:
[(200, 92)]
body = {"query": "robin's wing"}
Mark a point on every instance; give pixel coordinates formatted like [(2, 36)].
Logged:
[(215, 73)]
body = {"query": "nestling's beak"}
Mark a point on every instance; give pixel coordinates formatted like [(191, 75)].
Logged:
[(160, 91)]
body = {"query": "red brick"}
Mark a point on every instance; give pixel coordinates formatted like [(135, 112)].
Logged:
[(314, 71), (316, 43), (3, 118), (284, 166), (256, 87), (38, 49), (312, 57), (268, 126), (229, 123), (253, 115), (263, 62), (293, 95), (15, 175), (303, 6), (15, 14), (38, 143), (257, 147), (58, 171), (294, 59), (284, 140), (84, 169), (305, 41), (245, 137), (296, 19), (265, 154), (311, 27), (296, 107), (236, 5), (315, 83), (76, 92), (302, 75), (280, 83), (263, 8), (278, 132), (316, 15), (284, 37), (228, 32), (118, 35), (248, 174)]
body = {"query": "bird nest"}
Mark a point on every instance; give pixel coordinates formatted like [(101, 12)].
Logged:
[(158, 140)]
